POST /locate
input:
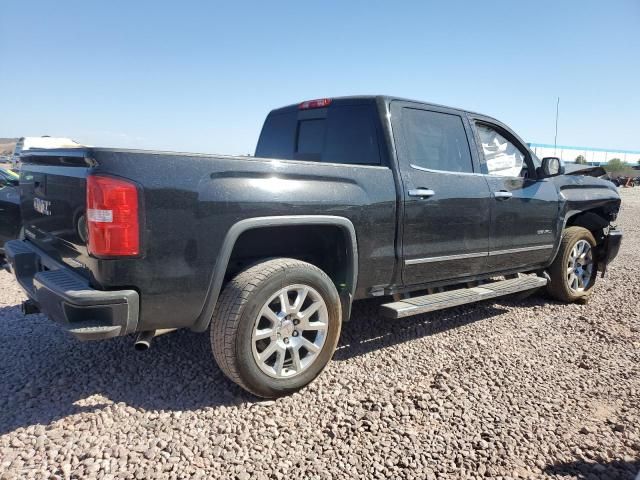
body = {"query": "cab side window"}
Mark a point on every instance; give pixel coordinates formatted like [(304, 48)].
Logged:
[(436, 141), (500, 156)]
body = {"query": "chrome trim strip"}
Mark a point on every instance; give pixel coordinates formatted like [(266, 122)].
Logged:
[(492, 175), (430, 170), (416, 261), (444, 258), (520, 250)]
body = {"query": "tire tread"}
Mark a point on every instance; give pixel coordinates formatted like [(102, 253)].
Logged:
[(557, 287), (227, 314)]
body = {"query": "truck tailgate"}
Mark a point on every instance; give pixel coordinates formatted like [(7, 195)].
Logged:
[(52, 203)]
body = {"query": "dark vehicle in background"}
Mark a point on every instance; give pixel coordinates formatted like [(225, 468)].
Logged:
[(345, 199), (625, 181), (10, 222)]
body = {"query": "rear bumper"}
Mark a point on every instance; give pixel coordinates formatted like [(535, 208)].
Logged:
[(68, 299)]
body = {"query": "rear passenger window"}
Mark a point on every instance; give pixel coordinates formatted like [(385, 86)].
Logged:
[(436, 141)]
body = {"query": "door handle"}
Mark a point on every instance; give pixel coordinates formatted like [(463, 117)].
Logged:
[(421, 192), (502, 195)]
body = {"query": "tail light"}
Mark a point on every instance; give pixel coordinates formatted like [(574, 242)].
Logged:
[(318, 103), (112, 216)]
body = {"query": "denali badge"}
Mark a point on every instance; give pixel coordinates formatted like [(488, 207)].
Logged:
[(42, 206)]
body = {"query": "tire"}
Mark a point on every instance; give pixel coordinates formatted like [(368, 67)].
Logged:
[(251, 307), (568, 288)]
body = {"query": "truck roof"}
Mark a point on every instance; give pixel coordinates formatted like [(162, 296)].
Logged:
[(373, 98)]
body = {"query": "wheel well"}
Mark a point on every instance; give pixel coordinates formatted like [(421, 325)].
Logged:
[(593, 220), (328, 247)]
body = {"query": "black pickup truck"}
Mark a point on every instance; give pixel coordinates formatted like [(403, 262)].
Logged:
[(345, 199)]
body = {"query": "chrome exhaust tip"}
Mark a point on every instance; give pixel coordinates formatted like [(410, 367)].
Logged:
[(143, 340)]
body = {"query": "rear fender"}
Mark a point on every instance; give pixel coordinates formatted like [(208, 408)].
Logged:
[(222, 260)]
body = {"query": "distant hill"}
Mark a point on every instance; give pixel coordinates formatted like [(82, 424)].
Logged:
[(7, 145)]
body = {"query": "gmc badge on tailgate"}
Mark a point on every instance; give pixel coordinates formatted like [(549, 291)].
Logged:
[(42, 206)]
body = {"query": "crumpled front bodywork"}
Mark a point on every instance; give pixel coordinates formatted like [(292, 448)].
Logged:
[(592, 203), (580, 194), (585, 170)]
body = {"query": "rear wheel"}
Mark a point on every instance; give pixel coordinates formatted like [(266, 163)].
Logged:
[(573, 272), (276, 326)]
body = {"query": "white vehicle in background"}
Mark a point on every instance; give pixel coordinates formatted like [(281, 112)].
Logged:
[(28, 143)]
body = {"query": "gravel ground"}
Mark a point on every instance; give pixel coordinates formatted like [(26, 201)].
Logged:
[(528, 389)]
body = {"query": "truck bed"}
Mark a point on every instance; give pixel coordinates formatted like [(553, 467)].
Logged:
[(190, 201)]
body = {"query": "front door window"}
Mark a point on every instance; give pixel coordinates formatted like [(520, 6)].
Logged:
[(523, 211), (501, 156)]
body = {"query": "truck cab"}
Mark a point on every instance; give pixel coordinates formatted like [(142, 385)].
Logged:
[(472, 197)]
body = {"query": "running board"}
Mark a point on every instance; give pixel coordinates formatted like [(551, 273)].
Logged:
[(462, 296)]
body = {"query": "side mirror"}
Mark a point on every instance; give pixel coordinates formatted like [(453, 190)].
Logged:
[(552, 166)]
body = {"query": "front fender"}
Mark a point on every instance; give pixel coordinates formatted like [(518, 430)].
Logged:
[(581, 194)]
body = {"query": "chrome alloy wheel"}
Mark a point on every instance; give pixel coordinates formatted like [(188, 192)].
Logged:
[(580, 266), (290, 331)]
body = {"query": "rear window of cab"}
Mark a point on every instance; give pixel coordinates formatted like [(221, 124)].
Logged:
[(337, 134)]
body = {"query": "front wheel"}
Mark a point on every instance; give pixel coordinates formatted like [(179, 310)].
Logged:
[(276, 326), (573, 272)]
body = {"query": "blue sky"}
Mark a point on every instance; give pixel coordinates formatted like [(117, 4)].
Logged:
[(201, 76)]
